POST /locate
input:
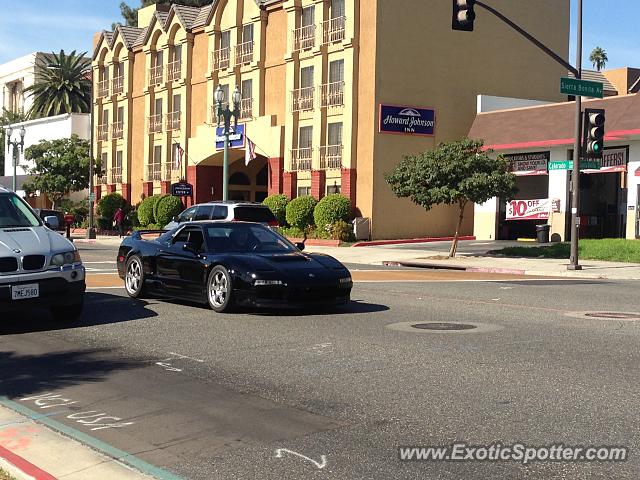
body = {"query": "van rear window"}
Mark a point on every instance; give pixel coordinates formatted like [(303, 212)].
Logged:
[(253, 214)]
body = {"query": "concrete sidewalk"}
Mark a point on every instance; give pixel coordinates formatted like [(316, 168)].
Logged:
[(29, 450)]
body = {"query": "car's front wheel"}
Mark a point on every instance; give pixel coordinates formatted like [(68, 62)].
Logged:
[(67, 313), (134, 277), (219, 290)]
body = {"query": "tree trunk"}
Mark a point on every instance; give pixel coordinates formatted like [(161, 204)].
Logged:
[(454, 244)]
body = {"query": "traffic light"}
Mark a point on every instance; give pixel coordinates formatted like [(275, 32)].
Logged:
[(463, 15), (593, 133)]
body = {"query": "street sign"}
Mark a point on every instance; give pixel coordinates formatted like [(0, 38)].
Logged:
[(581, 88), (236, 138), (92, 197), (568, 165)]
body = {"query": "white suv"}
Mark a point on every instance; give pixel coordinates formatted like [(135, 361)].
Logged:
[(229, 211), (38, 266)]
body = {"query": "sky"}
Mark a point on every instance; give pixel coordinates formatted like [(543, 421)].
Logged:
[(50, 25)]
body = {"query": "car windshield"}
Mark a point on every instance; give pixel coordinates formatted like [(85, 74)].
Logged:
[(14, 212), (246, 238)]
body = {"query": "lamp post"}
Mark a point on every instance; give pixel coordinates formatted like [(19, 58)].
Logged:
[(224, 113), (91, 231), (18, 146)]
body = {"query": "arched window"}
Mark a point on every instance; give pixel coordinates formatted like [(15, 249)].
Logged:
[(239, 178)]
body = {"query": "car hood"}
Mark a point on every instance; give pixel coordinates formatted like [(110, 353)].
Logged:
[(31, 241)]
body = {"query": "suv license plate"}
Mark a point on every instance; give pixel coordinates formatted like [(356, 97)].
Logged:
[(23, 292)]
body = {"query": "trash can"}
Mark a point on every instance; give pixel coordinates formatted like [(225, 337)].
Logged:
[(542, 233)]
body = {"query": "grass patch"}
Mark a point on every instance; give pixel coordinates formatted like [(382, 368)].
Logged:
[(608, 249)]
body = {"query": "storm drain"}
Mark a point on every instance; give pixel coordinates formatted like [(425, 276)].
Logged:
[(444, 326)]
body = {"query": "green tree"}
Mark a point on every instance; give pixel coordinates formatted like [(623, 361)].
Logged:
[(459, 173), (130, 15), (8, 118), (62, 85), (61, 167), (598, 58)]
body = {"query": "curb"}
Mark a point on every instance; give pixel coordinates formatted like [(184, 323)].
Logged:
[(317, 242), (463, 268), (20, 468), (376, 243)]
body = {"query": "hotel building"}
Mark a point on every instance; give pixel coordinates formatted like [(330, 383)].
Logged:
[(314, 76)]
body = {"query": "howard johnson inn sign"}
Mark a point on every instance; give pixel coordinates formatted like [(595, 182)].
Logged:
[(407, 120)]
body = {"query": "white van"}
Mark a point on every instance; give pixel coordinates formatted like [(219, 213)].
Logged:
[(38, 266)]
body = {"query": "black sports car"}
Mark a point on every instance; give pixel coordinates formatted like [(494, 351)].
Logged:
[(231, 263)]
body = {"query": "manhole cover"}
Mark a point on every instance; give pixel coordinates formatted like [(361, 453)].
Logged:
[(614, 315), (444, 326)]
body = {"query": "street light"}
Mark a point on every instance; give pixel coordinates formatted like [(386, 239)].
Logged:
[(16, 153), (224, 113)]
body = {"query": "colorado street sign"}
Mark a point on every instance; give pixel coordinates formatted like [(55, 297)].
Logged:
[(581, 88), (568, 164)]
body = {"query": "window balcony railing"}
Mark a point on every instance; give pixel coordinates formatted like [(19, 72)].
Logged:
[(103, 88), (331, 156), (304, 38), (153, 172), (174, 71), (115, 176), (117, 130), (244, 53), (155, 124), (102, 180), (333, 30), (173, 121), (155, 75), (220, 58), (332, 94), (168, 168), (103, 132), (117, 85), (246, 108), (302, 99), (301, 159)]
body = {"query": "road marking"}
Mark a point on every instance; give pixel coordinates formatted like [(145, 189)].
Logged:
[(109, 262), (319, 465), (184, 356), (168, 367), (93, 442)]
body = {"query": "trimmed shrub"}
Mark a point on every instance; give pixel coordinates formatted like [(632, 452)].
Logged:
[(155, 206), (108, 205), (342, 231), (332, 209), (166, 208), (300, 212), (278, 206), (145, 211)]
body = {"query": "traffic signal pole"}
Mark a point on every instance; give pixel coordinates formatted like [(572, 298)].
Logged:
[(574, 263)]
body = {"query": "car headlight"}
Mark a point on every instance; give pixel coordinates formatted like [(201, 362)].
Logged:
[(65, 258), (345, 280), (262, 283)]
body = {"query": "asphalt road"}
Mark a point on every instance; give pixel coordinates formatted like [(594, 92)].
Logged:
[(211, 396)]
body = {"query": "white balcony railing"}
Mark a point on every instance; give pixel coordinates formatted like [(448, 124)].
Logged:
[(302, 99), (115, 176), (153, 172), (332, 94), (103, 88), (173, 121), (331, 156), (174, 71), (301, 159), (155, 75), (304, 38), (102, 180), (333, 30), (103, 132), (154, 124), (117, 130), (168, 168), (117, 85), (220, 59), (244, 53), (246, 108)]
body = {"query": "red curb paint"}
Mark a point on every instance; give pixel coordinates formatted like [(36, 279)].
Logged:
[(318, 242), (409, 240), (24, 466), (509, 271)]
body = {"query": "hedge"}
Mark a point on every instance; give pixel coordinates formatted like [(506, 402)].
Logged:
[(278, 206), (166, 208), (108, 205), (300, 212), (332, 209), (145, 211)]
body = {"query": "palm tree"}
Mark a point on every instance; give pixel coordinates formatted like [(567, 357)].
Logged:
[(62, 85), (598, 58)]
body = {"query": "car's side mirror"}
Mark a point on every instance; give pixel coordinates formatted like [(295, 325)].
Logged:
[(300, 246), (52, 222), (192, 248)]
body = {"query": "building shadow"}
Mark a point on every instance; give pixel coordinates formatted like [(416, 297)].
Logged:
[(99, 309)]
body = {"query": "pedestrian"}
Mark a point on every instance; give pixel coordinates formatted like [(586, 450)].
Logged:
[(118, 220)]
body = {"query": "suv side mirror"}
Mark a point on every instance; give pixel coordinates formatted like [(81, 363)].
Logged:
[(52, 222), (192, 248)]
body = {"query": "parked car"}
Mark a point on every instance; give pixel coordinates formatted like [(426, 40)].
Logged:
[(224, 264), (38, 267), (230, 211), (44, 213)]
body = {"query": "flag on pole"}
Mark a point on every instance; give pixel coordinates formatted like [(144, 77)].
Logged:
[(249, 152), (179, 155)]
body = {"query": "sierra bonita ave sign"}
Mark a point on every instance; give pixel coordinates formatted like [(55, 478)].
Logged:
[(407, 120)]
